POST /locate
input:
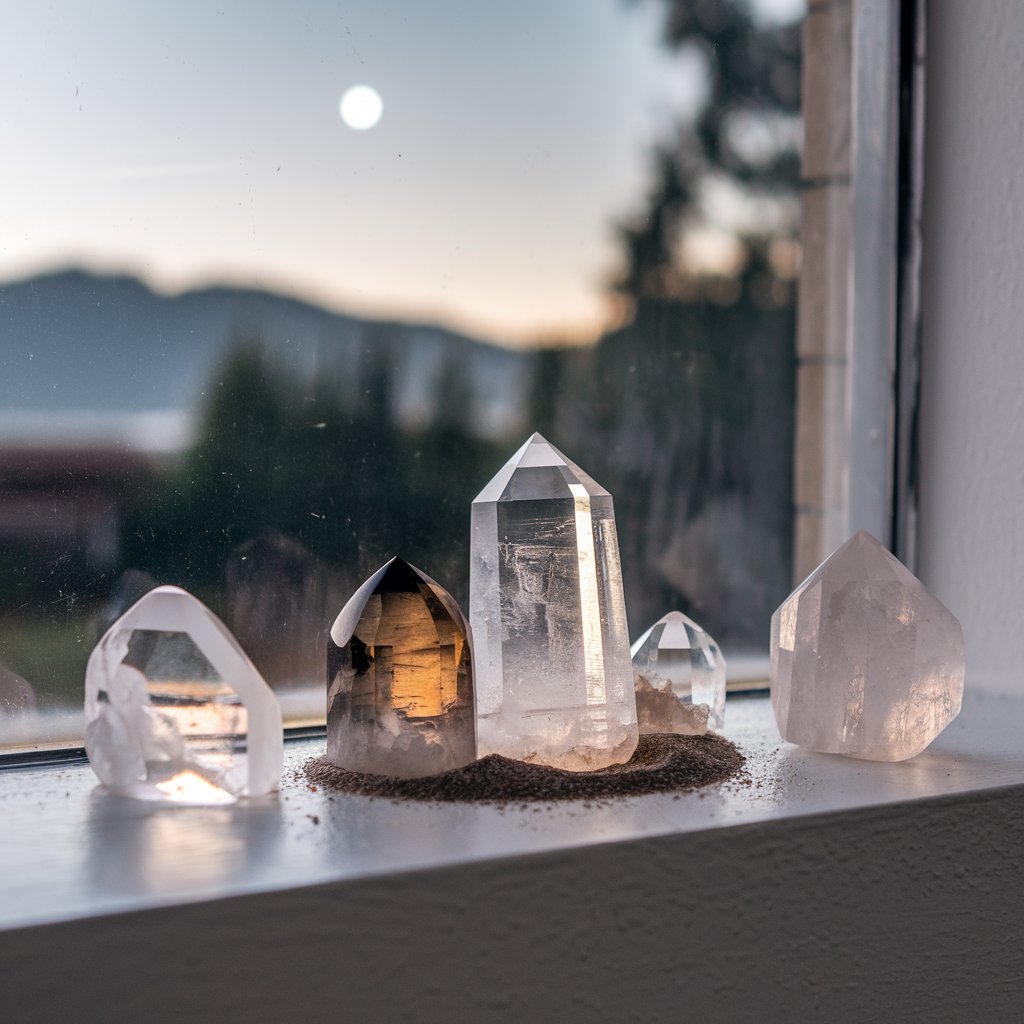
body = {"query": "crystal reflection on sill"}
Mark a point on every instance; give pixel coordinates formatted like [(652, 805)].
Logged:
[(47, 733), (189, 788)]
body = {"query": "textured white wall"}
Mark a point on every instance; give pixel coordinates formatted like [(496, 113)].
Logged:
[(971, 529)]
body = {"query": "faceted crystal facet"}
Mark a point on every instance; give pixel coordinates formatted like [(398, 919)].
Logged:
[(554, 680), (864, 660), (400, 678), (174, 709), (676, 656)]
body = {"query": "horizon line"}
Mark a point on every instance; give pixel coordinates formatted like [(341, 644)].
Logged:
[(308, 297)]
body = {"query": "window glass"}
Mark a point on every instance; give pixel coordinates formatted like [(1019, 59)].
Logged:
[(283, 285)]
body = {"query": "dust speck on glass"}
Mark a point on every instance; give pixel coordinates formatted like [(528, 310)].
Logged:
[(283, 286)]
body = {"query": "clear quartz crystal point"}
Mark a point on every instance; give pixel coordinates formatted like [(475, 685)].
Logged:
[(175, 711), (554, 680), (400, 678), (864, 660), (677, 657)]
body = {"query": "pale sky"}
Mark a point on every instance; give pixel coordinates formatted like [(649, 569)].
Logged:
[(193, 141)]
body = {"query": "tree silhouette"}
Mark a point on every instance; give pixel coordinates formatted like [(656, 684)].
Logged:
[(237, 472), (685, 412), (321, 463), (745, 136)]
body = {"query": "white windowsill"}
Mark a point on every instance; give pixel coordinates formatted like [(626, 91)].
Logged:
[(70, 850), (825, 889)]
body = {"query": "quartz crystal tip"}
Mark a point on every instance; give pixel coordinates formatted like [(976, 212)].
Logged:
[(400, 678), (554, 681), (864, 660), (679, 673), (175, 712)]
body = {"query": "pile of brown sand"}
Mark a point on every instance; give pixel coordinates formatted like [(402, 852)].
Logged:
[(661, 763)]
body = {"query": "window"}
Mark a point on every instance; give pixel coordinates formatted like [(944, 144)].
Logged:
[(261, 332)]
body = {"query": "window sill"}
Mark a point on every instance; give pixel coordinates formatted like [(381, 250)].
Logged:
[(827, 848)]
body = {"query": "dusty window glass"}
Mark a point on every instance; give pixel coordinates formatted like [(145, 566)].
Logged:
[(282, 286)]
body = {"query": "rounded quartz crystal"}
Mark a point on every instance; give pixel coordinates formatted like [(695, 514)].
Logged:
[(175, 711)]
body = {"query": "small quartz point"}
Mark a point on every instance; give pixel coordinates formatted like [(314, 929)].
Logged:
[(864, 660), (175, 711), (400, 678), (554, 680), (678, 657)]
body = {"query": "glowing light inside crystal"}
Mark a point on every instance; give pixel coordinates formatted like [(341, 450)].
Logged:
[(400, 678)]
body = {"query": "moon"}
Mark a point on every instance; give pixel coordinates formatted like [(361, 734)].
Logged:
[(361, 107)]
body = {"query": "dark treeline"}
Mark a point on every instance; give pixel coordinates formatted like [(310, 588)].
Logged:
[(278, 454)]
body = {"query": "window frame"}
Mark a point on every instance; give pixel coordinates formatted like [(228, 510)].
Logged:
[(858, 349)]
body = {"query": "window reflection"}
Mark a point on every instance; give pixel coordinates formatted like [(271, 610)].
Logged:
[(257, 355)]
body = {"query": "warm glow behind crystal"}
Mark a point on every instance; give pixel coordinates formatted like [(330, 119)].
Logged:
[(864, 660), (407, 636)]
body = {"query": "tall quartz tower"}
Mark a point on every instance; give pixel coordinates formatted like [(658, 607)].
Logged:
[(553, 673)]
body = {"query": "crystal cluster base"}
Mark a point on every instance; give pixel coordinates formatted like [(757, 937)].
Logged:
[(678, 657), (864, 660), (175, 711), (554, 681), (400, 678), (660, 710)]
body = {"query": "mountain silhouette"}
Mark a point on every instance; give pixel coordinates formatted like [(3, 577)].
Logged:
[(73, 340)]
